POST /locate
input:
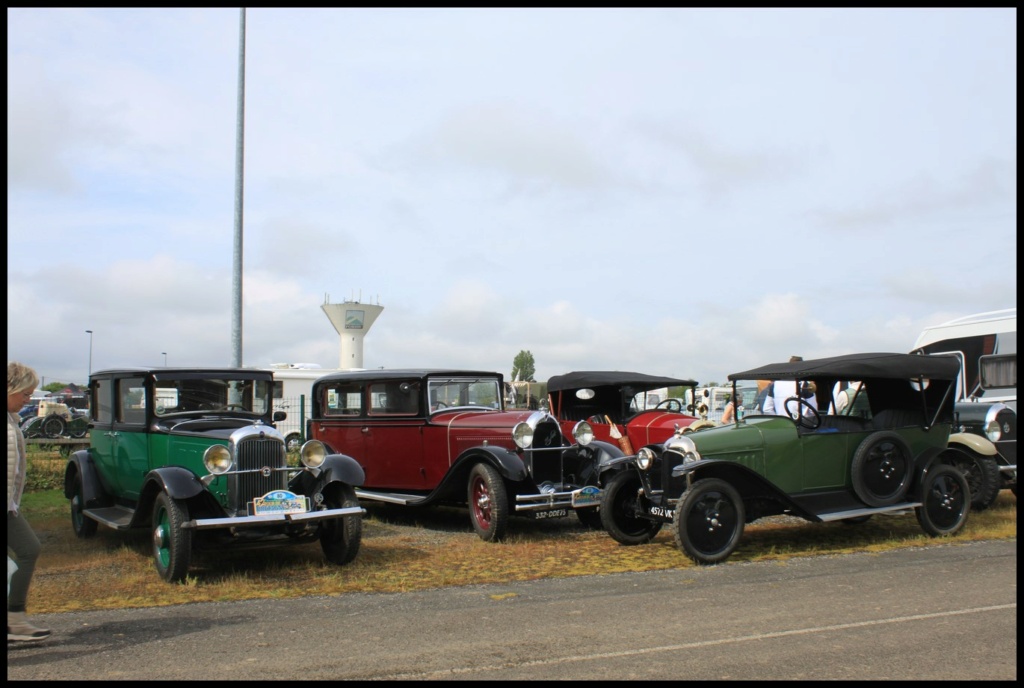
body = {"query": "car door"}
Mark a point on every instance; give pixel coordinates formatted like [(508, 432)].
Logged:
[(131, 447), (102, 438)]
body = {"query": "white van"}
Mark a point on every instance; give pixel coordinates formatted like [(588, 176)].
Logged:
[(986, 344), (293, 383)]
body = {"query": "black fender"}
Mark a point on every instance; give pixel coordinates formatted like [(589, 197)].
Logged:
[(751, 485), (177, 482), (93, 495), (336, 468), (509, 464)]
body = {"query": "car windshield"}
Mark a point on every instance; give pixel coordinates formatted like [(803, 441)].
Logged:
[(199, 395), (464, 391)]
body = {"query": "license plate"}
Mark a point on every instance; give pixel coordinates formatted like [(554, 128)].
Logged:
[(280, 502), (586, 496), (554, 513)]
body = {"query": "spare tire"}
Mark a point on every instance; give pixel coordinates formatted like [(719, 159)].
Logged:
[(882, 468)]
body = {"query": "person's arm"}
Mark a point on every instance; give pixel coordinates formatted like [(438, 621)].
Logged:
[(728, 413)]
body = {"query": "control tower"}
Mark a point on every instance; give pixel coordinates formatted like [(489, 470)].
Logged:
[(352, 319)]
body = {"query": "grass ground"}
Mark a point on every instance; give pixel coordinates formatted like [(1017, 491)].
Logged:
[(404, 550)]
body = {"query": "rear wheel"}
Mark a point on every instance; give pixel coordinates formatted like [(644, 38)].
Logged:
[(340, 537), (983, 479), (488, 503), (945, 501), (172, 544), (622, 512), (709, 521), (83, 526)]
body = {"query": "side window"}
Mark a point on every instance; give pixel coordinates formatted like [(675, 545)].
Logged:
[(102, 401), (278, 390), (131, 400), (343, 400), (394, 398)]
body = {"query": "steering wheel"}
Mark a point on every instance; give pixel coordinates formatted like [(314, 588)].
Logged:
[(810, 422), (440, 405), (234, 407), (671, 405)]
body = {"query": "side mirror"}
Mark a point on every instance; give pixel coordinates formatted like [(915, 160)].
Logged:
[(279, 416)]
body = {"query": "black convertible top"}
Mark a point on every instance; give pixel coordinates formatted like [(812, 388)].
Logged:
[(602, 378), (859, 367)]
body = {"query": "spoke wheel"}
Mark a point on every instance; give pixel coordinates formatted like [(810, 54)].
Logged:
[(983, 479), (709, 521), (488, 503), (172, 544), (340, 537), (945, 501), (622, 511)]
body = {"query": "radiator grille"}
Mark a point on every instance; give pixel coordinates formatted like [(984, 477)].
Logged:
[(253, 454)]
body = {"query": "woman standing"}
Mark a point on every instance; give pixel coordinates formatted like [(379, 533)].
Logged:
[(21, 540)]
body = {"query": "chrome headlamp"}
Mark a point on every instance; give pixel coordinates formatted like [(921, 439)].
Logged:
[(522, 433), (313, 454), (644, 458), (583, 433), (993, 430), (217, 459)]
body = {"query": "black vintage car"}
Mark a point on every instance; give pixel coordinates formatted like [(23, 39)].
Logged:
[(893, 456)]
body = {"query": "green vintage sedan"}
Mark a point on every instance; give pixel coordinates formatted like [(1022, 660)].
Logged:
[(887, 452)]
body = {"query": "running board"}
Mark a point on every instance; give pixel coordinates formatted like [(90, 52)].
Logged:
[(391, 497), (855, 513), (116, 517)]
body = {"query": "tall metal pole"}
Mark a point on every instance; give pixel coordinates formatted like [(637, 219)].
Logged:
[(89, 332), (165, 358), (236, 285)]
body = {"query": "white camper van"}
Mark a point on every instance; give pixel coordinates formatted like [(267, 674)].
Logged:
[(293, 383), (986, 346)]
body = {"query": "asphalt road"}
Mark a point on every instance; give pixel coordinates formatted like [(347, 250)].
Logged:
[(935, 613)]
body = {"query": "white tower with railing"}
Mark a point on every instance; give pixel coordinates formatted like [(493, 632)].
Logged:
[(352, 319)]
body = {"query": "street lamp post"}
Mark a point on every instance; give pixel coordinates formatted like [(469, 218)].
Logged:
[(89, 332), (165, 358)]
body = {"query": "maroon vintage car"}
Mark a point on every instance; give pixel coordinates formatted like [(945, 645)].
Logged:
[(431, 437), (619, 406)]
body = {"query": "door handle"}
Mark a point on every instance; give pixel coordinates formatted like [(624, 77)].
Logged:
[(365, 430)]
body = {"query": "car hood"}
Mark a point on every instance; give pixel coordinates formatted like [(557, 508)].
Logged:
[(738, 437), (478, 418)]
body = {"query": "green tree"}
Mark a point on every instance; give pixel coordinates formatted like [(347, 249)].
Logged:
[(523, 367)]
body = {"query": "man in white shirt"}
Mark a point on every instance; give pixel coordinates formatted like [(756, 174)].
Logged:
[(782, 390)]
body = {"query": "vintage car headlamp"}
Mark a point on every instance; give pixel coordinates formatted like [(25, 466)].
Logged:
[(522, 434), (644, 458), (217, 459), (313, 454), (583, 433), (993, 431), (684, 446)]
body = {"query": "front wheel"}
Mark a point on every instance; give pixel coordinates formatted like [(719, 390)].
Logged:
[(83, 526), (622, 512), (488, 503), (590, 517), (340, 537), (708, 522), (172, 544), (983, 479), (945, 501)]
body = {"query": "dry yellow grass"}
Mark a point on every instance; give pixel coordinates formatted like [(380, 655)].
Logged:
[(405, 550)]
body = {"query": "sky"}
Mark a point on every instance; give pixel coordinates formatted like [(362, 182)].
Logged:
[(678, 192)]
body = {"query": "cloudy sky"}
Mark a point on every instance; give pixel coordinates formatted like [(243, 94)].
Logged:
[(670, 191)]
